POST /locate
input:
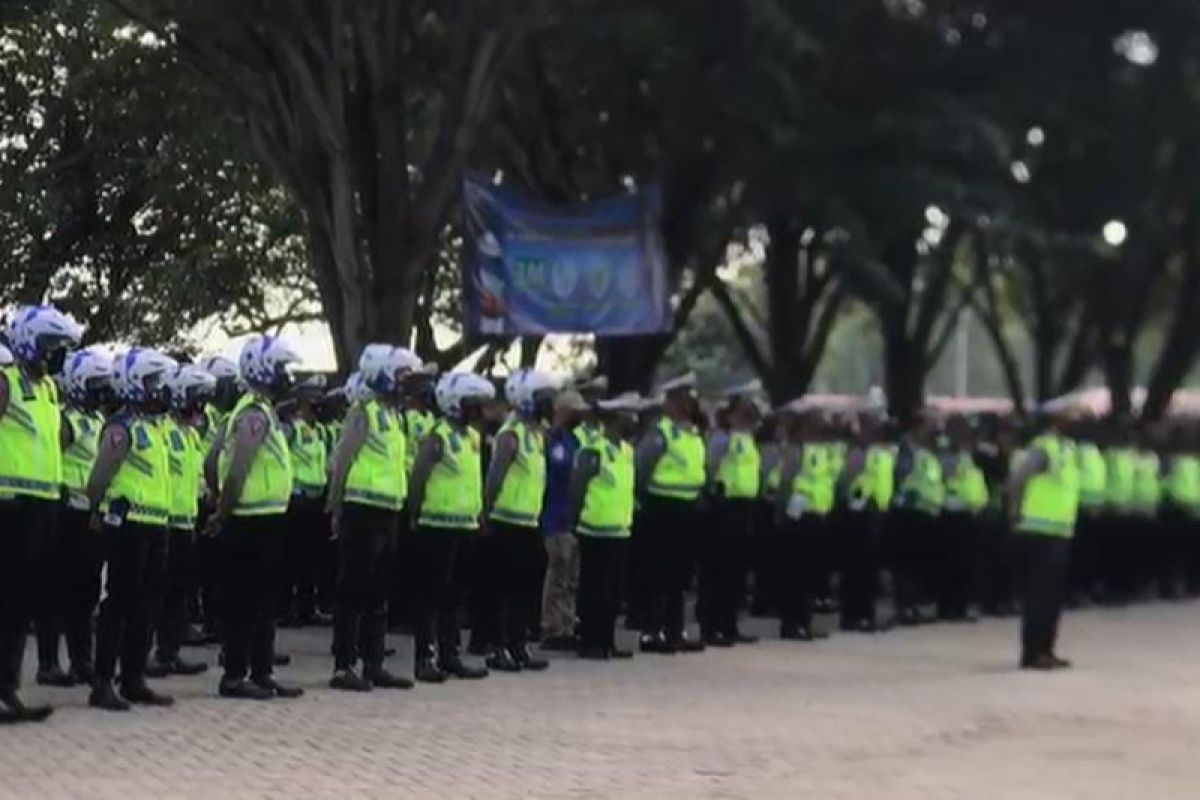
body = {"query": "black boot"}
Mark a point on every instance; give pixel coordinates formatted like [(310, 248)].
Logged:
[(426, 671), (451, 664), (528, 660), (104, 695), (502, 661), (682, 644), (281, 690), (383, 679), (139, 693), (655, 643), (349, 681), (244, 690), (22, 713)]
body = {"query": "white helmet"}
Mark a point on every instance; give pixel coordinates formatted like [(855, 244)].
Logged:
[(190, 386), (85, 372), (6, 356), (403, 361), (220, 367), (141, 374), (376, 369), (264, 361), (456, 388), (35, 331), (523, 387), (356, 389)]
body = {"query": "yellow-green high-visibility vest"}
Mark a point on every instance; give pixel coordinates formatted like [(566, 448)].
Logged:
[(1146, 486), (585, 433), (1119, 477), (454, 490), (270, 481), (143, 480), (740, 470), (1092, 476), (966, 488), (922, 488), (1051, 500), (80, 456), (377, 477), (608, 502), (417, 425), (873, 487), (30, 438), (1182, 484), (813, 485), (186, 463), (310, 458), (214, 422), (524, 486), (679, 473)]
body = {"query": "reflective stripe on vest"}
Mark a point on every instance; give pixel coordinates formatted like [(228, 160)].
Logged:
[(454, 490), (187, 465), (81, 455), (269, 482), (1051, 500), (608, 502), (143, 479), (309, 458), (740, 471), (377, 477), (30, 438)]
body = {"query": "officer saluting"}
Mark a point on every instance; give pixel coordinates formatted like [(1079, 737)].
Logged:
[(254, 469), (1044, 503), (129, 492), (30, 483)]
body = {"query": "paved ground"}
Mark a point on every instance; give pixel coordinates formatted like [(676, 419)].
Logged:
[(933, 713)]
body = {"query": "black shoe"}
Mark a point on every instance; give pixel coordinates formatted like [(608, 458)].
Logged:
[(1043, 663), (388, 652), (1060, 663), (142, 695), (737, 637), (560, 644), (453, 665), (528, 660), (383, 679), (281, 660), (158, 669), (796, 634), (194, 637), (594, 653), (502, 661), (349, 681), (656, 643), (683, 644), (283, 691), (104, 695), (316, 620), (478, 647), (866, 626), (428, 672), (175, 666), (244, 690), (717, 639), (617, 654), (23, 713), (54, 676)]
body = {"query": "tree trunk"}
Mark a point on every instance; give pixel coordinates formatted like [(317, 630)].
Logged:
[(904, 374), (782, 265)]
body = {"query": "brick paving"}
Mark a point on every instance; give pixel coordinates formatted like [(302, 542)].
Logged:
[(938, 712)]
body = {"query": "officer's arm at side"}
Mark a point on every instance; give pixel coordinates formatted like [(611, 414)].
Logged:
[(114, 446), (427, 457), (649, 451), (212, 461), (504, 452), (1033, 463), (787, 477), (354, 434), (249, 433), (587, 466), (718, 446)]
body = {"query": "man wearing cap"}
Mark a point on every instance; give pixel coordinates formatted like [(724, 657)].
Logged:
[(562, 549), (734, 473), (670, 478), (601, 513), (1044, 501)]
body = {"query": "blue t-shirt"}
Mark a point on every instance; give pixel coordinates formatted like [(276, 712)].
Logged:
[(560, 460)]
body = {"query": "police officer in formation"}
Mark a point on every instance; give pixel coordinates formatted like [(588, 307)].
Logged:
[(399, 474)]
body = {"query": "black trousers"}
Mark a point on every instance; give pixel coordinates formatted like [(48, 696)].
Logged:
[(1045, 562), (601, 571), (50, 569), (668, 550), (74, 591), (180, 585), (476, 568), (798, 548), (724, 556), (366, 545), (1086, 550), (438, 590), (955, 533), (858, 551), (135, 556), (24, 535), (252, 554), (210, 563), (519, 555), (996, 564), (308, 555), (907, 536)]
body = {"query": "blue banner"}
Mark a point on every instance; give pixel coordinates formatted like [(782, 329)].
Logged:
[(531, 268)]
